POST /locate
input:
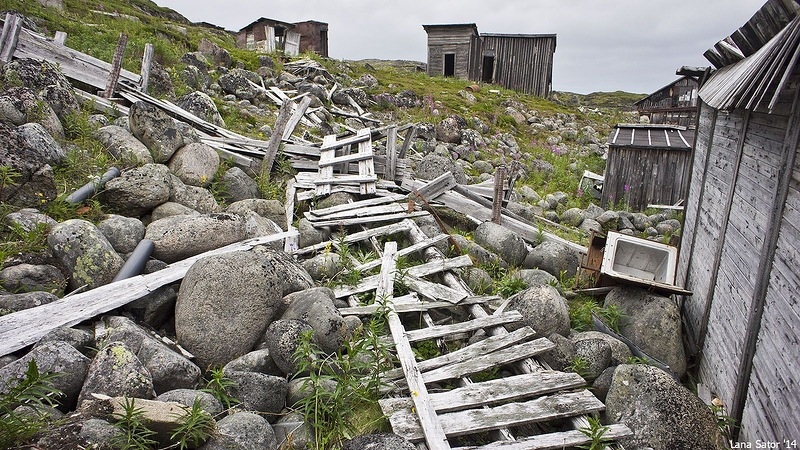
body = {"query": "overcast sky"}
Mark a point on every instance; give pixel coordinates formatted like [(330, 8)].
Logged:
[(602, 45)]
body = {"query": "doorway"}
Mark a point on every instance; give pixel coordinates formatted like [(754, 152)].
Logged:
[(449, 64), (487, 73)]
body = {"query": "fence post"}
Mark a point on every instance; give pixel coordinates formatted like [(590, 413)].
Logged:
[(497, 201), (116, 66), (147, 61)]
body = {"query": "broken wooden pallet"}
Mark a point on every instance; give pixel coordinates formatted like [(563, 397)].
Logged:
[(327, 160)]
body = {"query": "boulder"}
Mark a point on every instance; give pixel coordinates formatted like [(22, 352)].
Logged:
[(449, 130), (33, 74), (169, 209), (82, 340), (137, 191), (34, 184), (155, 308), (323, 266), (434, 165), (156, 129), (310, 235), (18, 302), (572, 217), (37, 112), (293, 432), (24, 278), (242, 431), (238, 185), (219, 55), (282, 338), (187, 397), (652, 322), (554, 258), (502, 241), (662, 414), (478, 280), (195, 197), (542, 309), (179, 237), (58, 357), (168, 369), (235, 82), (124, 233), (315, 307), (195, 164), (226, 302), (271, 209), (201, 105), (29, 219), (480, 255), (378, 441), (596, 353), (562, 355), (620, 353), (116, 372), (257, 226), (537, 277), (256, 361), (259, 392), (35, 136), (83, 253), (123, 145), (62, 100)]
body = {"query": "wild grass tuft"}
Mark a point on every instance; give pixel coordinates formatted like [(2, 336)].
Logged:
[(35, 389)]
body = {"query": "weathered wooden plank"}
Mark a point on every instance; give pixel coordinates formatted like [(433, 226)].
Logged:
[(433, 291), (298, 112), (10, 36), (116, 66), (26, 327), (391, 153), (480, 363), (557, 406), (358, 236), (322, 212), (325, 172), (147, 62), (492, 392), (411, 305), (425, 413), (371, 282), (358, 212), (554, 441), (366, 167), (431, 189), (372, 219), (346, 141), (405, 251), (273, 144), (355, 157), (342, 179), (464, 327)]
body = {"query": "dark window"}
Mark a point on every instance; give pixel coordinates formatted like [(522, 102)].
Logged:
[(487, 75), (449, 64)]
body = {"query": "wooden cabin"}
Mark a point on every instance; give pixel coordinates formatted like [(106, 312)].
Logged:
[(522, 62), (673, 104), (647, 164), (270, 35), (741, 241)]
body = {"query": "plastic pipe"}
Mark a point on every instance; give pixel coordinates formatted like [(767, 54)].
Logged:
[(88, 189), (136, 261)]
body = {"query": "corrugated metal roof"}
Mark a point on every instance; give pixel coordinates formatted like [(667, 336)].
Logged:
[(651, 137)]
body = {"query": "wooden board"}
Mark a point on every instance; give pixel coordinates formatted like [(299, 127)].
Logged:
[(554, 441), (464, 327)]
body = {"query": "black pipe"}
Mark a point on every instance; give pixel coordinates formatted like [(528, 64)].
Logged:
[(88, 189), (136, 261)]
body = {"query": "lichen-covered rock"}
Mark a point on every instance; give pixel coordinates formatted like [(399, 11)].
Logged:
[(123, 145), (502, 241), (315, 307), (256, 361), (117, 372), (34, 183), (323, 266), (179, 237), (187, 397), (156, 129), (84, 253), (137, 191), (378, 441), (662, 414), (242, 431), (197, 198), (434, 165), (201, 105), (124, 233), (271, 209), (195, 164), (236, 82), (169, 209), (449, 129), (29, 219), (226, 302), (282, 338), (24, 277), (33, 74), (238, 185), (554, 258), (259, 392), (35, 110), (542, 309)]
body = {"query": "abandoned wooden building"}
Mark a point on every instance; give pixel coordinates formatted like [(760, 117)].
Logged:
[(270, 35), (673, 104), (741, 239), (647, 164), (522, 62)]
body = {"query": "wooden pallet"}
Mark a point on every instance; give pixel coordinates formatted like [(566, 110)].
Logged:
[(327, 160)]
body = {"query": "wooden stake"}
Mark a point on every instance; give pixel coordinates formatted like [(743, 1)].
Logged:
[(275, 138), (497, 204), (147, 61), (10, 36), (116, 66)]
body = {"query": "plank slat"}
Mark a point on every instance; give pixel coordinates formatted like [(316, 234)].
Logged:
[(463, 327), (554, 441), (359, 204), (366, 220), (358, 212), (551, 407)]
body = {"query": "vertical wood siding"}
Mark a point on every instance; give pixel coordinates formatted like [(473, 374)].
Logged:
[(523, 63), (652, 175)]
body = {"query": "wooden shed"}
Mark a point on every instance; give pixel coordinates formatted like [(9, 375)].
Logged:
[(741, 242), (270, 35), (522, 62), (647, 164), (673, 104)]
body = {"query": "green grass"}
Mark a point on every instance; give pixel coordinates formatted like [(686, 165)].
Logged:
[(34, 389)]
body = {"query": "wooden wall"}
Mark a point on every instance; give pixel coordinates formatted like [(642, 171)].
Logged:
[(658, 176), (455, 40), (313, 37), (674, 104), (522, 62), (739, 254)]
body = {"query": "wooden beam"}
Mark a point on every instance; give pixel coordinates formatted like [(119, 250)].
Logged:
[(147, 62), (464, 327), (497, 199), (284, 113), (26, 327), (10, 36), (555, 441), (116, 66), (391, 154), (297, 115)]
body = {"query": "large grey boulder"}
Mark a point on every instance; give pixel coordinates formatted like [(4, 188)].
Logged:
[(58, 357), (257, 226), (17, 302), (315, 307), (155, 308), (242, 431), (226, 302), (219, 55), (84, 253), (235, 82), (321, 267), (29, 219), (35, 182), (449, 129), (36, 111), (238, 185), (35, 136), (310, 235), (169, 369), (499, 239), (542, 309), (156, 129), (179, 237), (62, 100), (554, 258), (82, 340), (31, 278), (256, 361), (652, 322), (259, 392), (537, 277), (137, 191), (434, 165), (123, 145), (662, 414), (34, 74), (293, 432), (480, 255), (169, 209), (597, 355), (620, 353), (572, 217), (117, 372), (201, 105), (197, 198), (187, 397), (124, 233), (195, 164)]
